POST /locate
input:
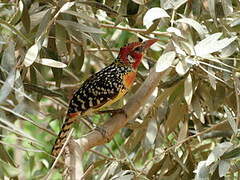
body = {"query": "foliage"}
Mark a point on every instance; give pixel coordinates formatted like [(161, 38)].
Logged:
[(189, 127)]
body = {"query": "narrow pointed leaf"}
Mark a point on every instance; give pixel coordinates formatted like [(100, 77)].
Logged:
[(31, 55), (51, 63), (188, 89), (7, 86), (165, 61)]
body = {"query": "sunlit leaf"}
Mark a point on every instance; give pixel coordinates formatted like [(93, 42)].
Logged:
[(211, 6), (212, 80), (223, 168), (229, 50), (188, 89), (217, 152), (165, 61), (202, 171), (141, 2), (51, 63), (196, 25), (198, 110), (231, 120), (153, 14), (174, 30), (212, 44), (151, 132), (31, 55), (66, 6), (182, 67)]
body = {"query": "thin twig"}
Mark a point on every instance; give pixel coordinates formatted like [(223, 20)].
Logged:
[(102, 155), (89, 169), (27, 119), (166, 34)]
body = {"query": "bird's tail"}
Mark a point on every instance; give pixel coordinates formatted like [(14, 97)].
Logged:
[(62, 136)]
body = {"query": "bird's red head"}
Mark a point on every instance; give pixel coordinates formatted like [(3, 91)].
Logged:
[(132, 53)]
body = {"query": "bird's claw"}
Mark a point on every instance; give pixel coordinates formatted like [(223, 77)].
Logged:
[(103, 132), (114, 111)]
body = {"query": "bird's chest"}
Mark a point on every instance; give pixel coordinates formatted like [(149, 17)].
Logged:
[(128, 79), (125, 81)]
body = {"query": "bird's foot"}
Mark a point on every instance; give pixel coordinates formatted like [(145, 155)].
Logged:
[(113, 112), (103, 132)]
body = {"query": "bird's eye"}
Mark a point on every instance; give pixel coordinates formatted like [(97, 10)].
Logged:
[(130, 59), (137, 48)]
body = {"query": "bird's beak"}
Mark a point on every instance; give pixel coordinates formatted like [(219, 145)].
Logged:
[(148, 43)]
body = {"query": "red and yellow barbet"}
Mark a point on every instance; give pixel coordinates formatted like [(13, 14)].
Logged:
[(103, 88)]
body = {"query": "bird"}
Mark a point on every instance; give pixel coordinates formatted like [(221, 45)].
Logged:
[(103, 88)]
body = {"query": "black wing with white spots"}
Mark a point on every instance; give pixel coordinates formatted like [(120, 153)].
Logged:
[(99, 89)]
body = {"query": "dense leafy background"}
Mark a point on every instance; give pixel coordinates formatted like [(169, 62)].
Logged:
[(189, 128)]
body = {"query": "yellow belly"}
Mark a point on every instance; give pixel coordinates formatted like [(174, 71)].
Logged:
[(128, 80)]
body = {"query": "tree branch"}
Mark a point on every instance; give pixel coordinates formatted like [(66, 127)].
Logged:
[(118, 121)]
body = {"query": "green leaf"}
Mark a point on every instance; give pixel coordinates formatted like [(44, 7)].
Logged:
[(61, 40), (25, 17), (15, 31), (4, 155), (235, 153)]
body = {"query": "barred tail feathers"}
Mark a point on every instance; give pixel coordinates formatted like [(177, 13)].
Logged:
[(62, 136)]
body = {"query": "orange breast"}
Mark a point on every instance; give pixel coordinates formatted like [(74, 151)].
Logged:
[(128, 79)]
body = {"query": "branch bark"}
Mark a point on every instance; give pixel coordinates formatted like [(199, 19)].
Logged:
[(118, 121)]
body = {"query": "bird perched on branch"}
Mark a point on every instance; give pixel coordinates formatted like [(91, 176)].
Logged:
[(103, 88)]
